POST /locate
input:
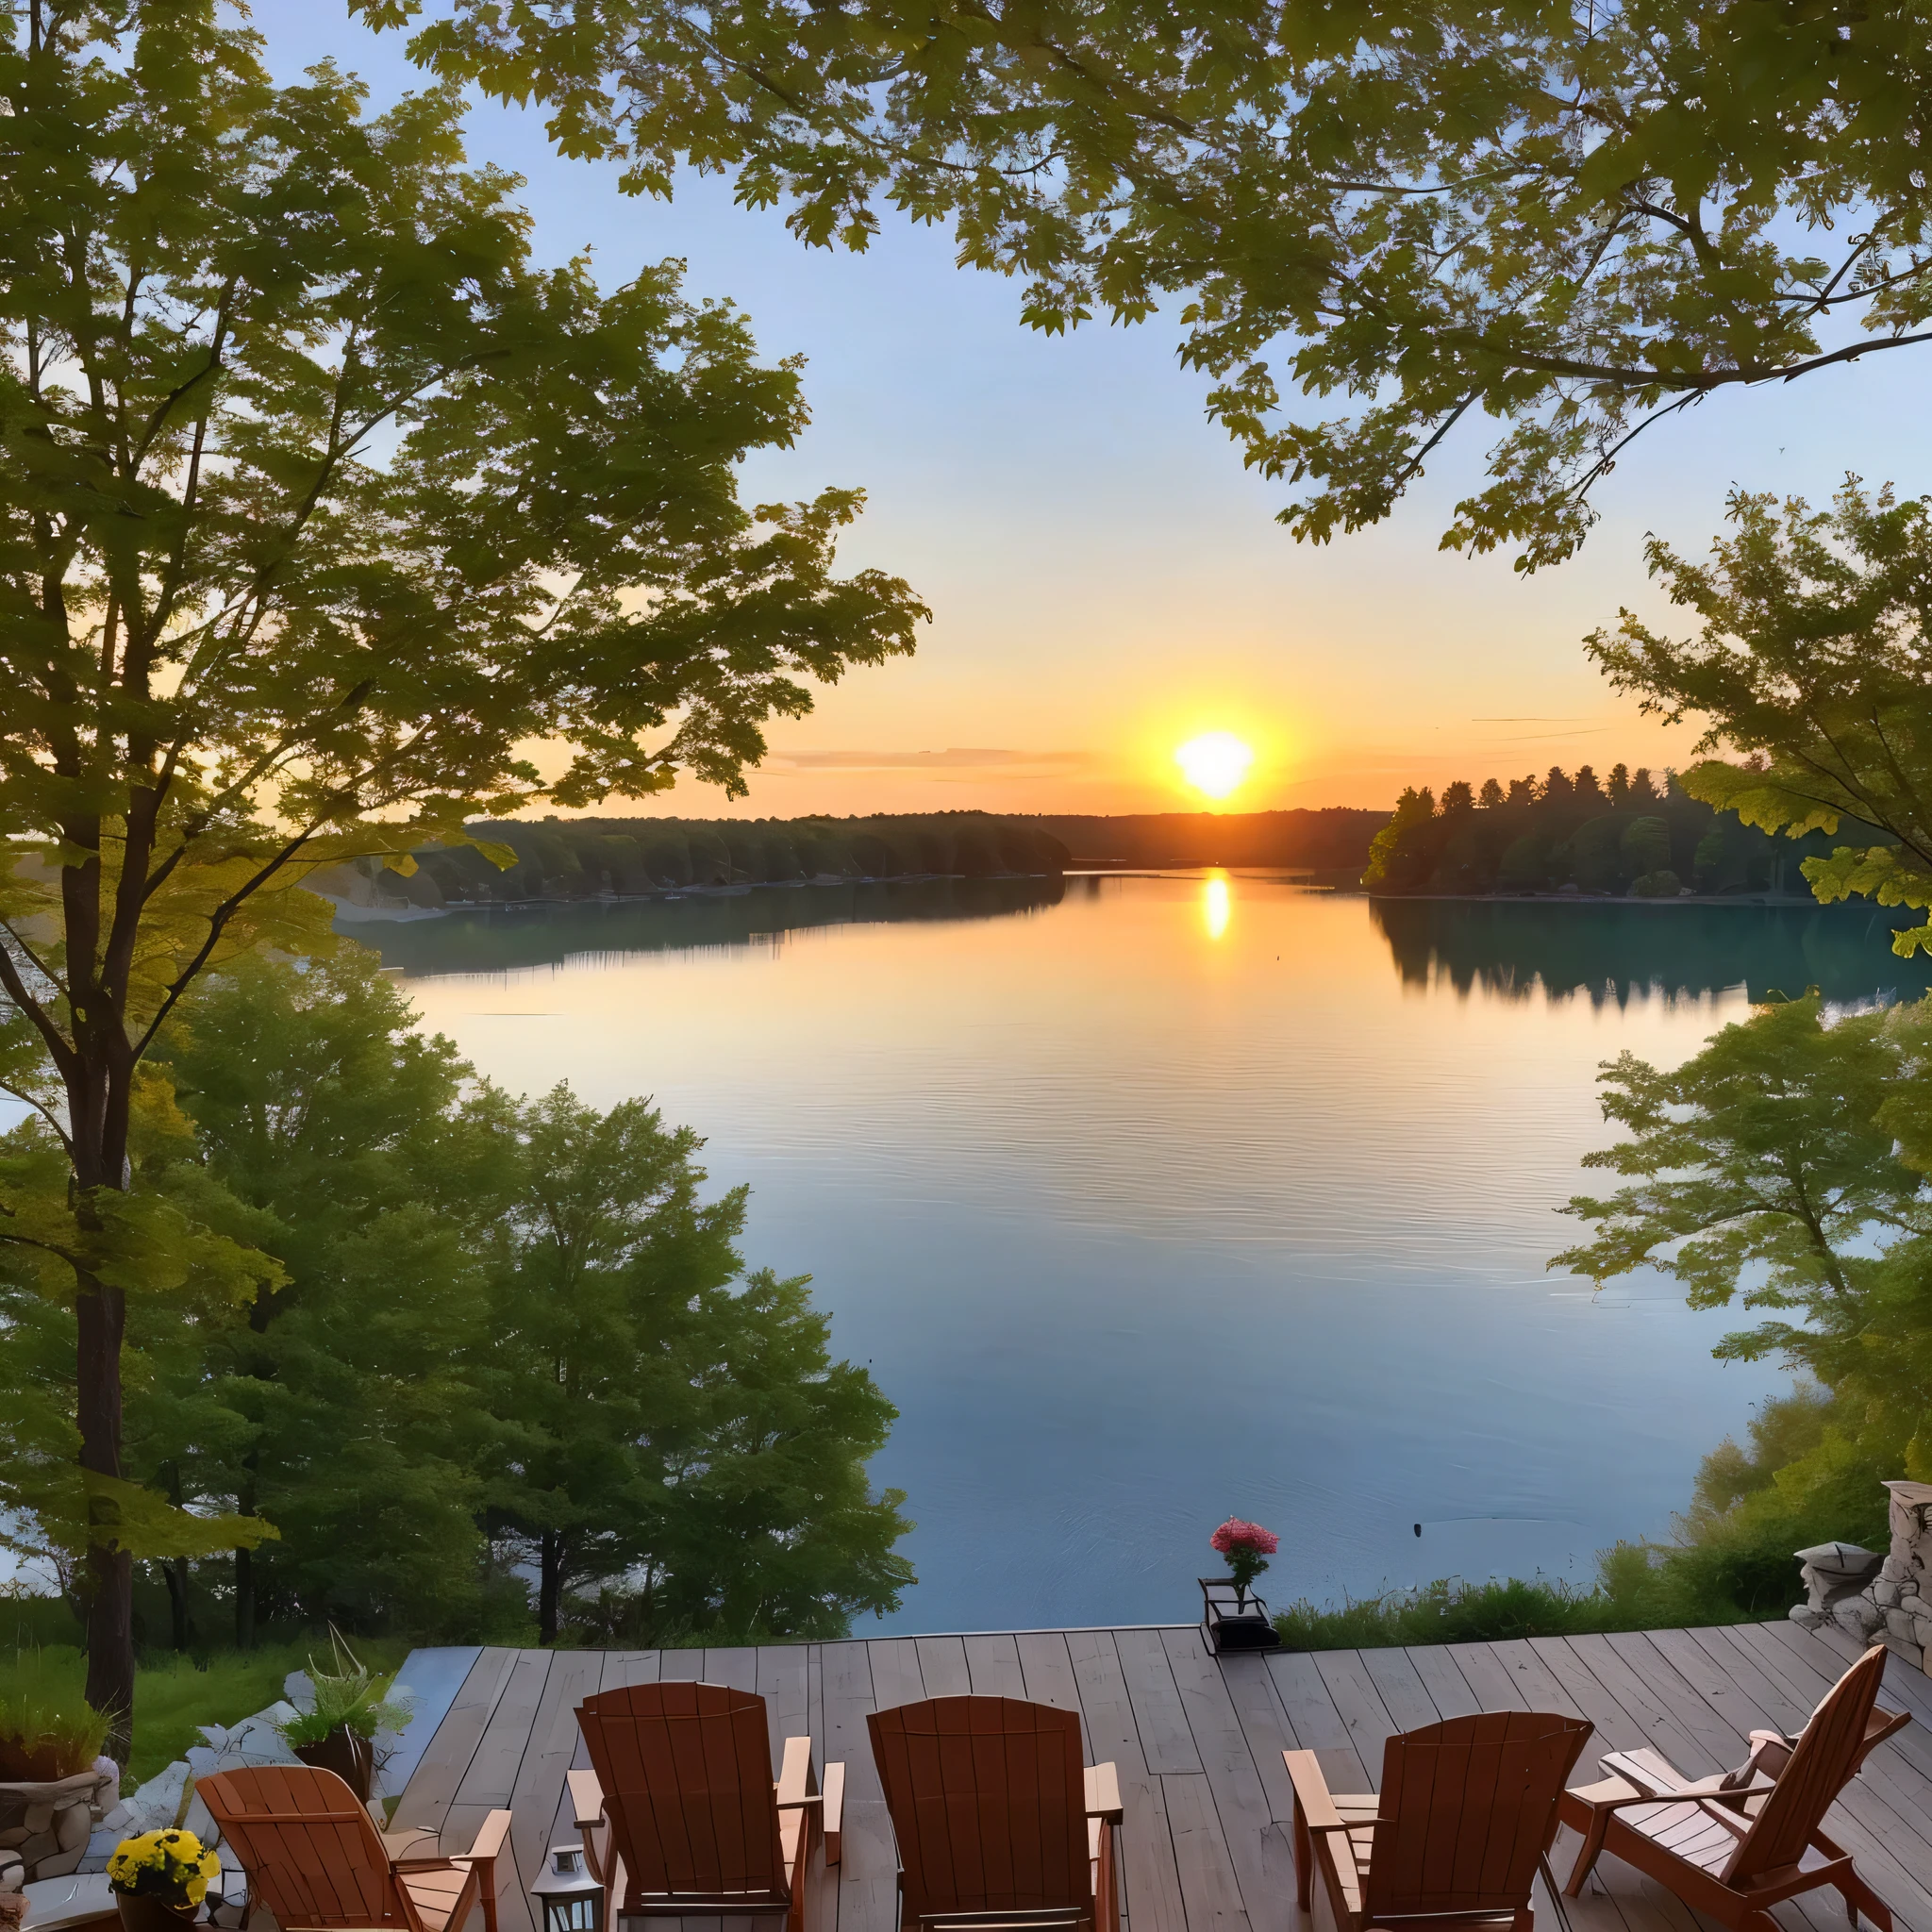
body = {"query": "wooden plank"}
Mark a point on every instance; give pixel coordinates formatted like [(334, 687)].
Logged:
[(1491, 1681), (868, 1873), (1360, 1706), (1150, 1882), (896, 1674), (1166, 1742), (1540, 1687), (1046, 1668), (683, 1666), (1435, 1664), (445, 1761), (537, 1794), (781, 1684), (1264, 1725), (1317, 1725), (1686, 1742), (942, 1666), (1214, 1903), (1400, 1687), (1249, 1816), (992, 1667), (492, 1773)]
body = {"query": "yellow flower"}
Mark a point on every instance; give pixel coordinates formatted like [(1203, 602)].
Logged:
[(169, 1865)]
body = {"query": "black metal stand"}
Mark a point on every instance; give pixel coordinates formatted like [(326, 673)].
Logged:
[(1233, 1618)]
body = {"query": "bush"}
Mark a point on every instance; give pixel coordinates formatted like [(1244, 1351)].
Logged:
[(47, 1729), (1657, 884)]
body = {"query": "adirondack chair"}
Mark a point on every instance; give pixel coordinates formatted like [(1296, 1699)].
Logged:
[(999, 1827), (1466, 1814), (681, 1785), (1734, 1847), (315, 1859)]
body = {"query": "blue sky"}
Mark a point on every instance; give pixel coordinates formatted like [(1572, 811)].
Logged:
[(1106, 579)]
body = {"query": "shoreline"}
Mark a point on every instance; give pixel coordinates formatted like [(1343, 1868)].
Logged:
[(1757, 901)]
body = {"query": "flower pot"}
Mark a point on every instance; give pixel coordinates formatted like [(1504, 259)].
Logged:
[(1234, 1619), (152, 1914), (351, 1757)]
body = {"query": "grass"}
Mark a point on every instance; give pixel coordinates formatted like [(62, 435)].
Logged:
[(1638, 1588), (175, 1695), (48, 1731)]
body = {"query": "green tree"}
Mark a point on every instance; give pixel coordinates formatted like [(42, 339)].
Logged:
[(1568, 219), (1810, 669), (319, 504), (663, 1424)]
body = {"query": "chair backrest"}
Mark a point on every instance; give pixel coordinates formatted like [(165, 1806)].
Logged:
[(988, 1804), (1828, 1751), (1467, 1808), (687, 1776), (311, 1850)]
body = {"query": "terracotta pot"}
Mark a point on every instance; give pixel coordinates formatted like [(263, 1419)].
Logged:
[(349, 1756), (152, 1914)]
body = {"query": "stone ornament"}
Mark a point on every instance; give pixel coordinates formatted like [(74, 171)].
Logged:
[(1871, 1595)]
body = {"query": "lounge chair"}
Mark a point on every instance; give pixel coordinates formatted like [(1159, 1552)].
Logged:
[(998, 1825), (1739, 1843), (315, 1859), (1466, 1814), (681, 1785)]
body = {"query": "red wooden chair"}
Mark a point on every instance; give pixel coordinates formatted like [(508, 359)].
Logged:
[(681, 1782), (315, 1859), (998, 1825), (1466, 1813), (1735, 1845)]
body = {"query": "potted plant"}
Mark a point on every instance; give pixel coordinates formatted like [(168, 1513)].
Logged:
[(160, 1879), (52, 1775), (1239, 1621), (338, 1731)]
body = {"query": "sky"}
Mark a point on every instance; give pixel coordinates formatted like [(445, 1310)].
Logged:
[(1107, 581)]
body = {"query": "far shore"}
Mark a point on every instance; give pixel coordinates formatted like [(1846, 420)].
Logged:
[(1757, 899)]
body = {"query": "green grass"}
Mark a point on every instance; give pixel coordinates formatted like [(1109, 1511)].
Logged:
[(174, 1696), (1639, 1588)]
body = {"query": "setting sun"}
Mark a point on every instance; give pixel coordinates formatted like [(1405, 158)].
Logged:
[(1215, 763)]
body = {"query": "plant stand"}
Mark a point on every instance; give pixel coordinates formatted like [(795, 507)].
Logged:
[(46, 1825), (1234, 1620), (350, 1756)]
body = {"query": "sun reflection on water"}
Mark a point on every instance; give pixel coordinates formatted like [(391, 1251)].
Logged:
[(1216, 903)]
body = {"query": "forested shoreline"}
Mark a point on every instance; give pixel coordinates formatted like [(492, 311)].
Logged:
[(1632, 834), (585, 859)]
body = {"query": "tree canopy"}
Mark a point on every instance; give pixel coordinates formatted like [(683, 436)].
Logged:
[(1568, 218), (319, 501)]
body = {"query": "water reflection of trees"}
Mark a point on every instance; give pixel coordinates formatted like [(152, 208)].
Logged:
[(501, 938), (1608, 951)]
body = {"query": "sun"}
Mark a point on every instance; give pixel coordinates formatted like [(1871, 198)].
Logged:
[(1215, 763)]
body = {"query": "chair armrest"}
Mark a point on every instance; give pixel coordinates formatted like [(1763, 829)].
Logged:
[(1103, 1793), (796, 1785), (490, 1837), (586, 1798), (1311, 1795), (834, 1817), (1658, 1782)]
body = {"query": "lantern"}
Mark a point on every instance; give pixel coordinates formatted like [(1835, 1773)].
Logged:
[(568, 1898)]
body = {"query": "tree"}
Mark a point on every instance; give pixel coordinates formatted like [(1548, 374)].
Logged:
[(1569, 219), (319, 504), (1810, 669), (661, 1424)]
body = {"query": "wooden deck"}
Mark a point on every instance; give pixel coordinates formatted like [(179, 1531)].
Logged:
[(1198, 1743)]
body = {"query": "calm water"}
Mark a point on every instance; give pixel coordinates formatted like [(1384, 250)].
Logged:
[(1150, 1200)]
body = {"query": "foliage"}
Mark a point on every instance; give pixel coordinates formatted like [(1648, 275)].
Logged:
[(576, 858), (1626, 834), (660, 1429), (1247, 1548), (349, 1698), (47, 1729), (1565, 218), (167, 1865), (502, 1327), (1811, 671), (319, 504)]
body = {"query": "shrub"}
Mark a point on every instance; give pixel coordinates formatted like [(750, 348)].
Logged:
[(1657, 884)]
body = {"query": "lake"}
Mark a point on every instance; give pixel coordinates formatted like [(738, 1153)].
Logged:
[(1151, 1200)]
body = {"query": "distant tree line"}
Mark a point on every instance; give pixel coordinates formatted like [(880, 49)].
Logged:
[(1326, 840), (580, 858), (1629, 834)]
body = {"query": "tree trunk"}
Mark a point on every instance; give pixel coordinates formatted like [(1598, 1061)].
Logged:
[(102, 1319), (549, 1586), (181, 1631), (244, 1600)]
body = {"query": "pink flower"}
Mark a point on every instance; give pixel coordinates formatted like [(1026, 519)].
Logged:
[(1236, 1535)]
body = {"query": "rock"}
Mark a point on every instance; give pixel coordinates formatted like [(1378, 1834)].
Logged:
[(13, 1873), (39, 1818), (1858, 1615), (1885, 1593), (1921, 1631), (299, 1689), (1841, 1560), (58, 1864), (1805, 1617), (13, 1835), (72, 1827), (109, 1774)]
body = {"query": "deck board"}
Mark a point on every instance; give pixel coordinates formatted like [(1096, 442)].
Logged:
[(1197, 1742)]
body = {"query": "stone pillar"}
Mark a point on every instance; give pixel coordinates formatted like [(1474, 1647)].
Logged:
[(1870, 1595)]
